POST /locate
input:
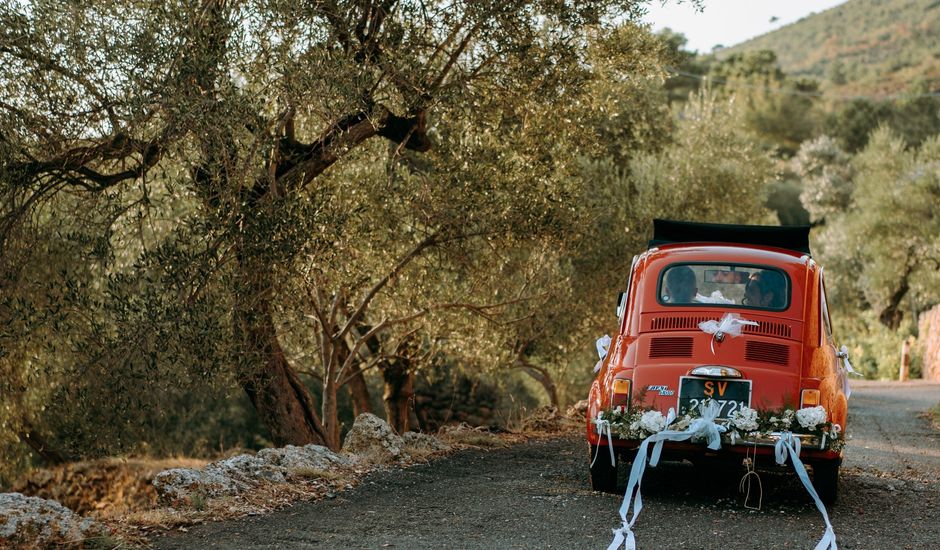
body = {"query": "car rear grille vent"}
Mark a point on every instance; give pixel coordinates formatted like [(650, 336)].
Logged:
[(781, 330), (770, 329), (679, 346), (766, 352), (675, 323)]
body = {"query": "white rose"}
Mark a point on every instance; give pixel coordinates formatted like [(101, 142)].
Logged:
[(811, 417), (653, 421), (745, 419)]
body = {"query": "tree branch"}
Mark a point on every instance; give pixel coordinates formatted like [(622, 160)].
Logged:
[(301, 163), (77, 159), (428, 241)]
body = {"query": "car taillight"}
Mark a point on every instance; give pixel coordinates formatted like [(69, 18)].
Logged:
[(809, 398), (621, 393)]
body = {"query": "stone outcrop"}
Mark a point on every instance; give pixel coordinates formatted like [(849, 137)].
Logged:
[(370, 440), (40, 523), (242, 472), (373, 439), (185, 485)]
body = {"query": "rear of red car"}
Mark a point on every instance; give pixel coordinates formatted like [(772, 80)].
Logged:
[(673, 352)]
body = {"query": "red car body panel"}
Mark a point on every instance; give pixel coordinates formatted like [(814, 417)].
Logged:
[(790, 350)]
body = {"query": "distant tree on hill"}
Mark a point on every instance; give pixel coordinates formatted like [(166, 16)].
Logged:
[(914, 116)]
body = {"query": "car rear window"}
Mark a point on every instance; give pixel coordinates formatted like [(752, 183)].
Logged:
[(731, 285)]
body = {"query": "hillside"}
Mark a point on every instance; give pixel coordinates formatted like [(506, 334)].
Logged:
[(871, 47)]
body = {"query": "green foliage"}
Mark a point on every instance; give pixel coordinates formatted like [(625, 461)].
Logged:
[(882, 250), (827, 178), (915, 117), (852, 122), (874, 349), (712, 172), (176, 187), (862, 47), (779, 110)]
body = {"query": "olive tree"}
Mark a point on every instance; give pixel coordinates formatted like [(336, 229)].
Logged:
[(883, 246), (233, 114)]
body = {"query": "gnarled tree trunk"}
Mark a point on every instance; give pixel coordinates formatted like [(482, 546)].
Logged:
[(399, 390), (359, 391), (543, 376), (283, 403)]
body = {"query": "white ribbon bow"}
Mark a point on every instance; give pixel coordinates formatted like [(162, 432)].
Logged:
[(603, 344), (788, 444), (703, 427), (731, 324), (847, 368)]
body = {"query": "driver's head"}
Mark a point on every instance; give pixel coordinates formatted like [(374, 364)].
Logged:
[(680, 284)]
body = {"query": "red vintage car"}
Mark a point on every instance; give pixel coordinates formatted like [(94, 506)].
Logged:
[(731, 314)]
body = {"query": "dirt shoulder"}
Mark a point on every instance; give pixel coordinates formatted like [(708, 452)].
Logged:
[(536, 495)]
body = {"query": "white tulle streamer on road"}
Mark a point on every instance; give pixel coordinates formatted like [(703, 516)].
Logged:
[(705, 428)]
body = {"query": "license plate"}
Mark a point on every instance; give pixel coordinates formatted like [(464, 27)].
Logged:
[(731, 395)]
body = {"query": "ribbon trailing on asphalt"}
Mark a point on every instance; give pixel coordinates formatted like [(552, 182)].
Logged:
[(703, 427), (602, 427), (790, 445), (603, 344), (731, 324)]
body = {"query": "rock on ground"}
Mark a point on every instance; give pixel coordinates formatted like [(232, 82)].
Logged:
[(184, 485), (372, 438), (242, 472), (295, 459), (578, 411), (36, 522), (107, 486)]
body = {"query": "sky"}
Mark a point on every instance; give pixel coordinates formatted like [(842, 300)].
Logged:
[(729, 22)]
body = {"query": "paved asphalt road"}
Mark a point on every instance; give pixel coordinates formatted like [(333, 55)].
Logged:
[(536, 495)]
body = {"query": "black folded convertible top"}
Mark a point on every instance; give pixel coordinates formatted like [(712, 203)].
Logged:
[(792, 237)]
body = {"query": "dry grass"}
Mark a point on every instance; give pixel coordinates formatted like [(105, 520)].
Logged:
[(135, 528), (109, 487), (118, 492), (465, 435), (315, 473)]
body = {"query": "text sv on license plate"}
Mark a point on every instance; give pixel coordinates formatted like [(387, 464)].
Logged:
[(731, 395)]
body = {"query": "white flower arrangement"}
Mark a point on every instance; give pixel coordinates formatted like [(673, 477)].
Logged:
[(745, 419), (811, 417), (744, 424), (784, 421), (652, 421)]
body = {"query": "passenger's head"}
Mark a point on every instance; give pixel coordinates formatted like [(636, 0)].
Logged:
[(765, 289), (680, 284)]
